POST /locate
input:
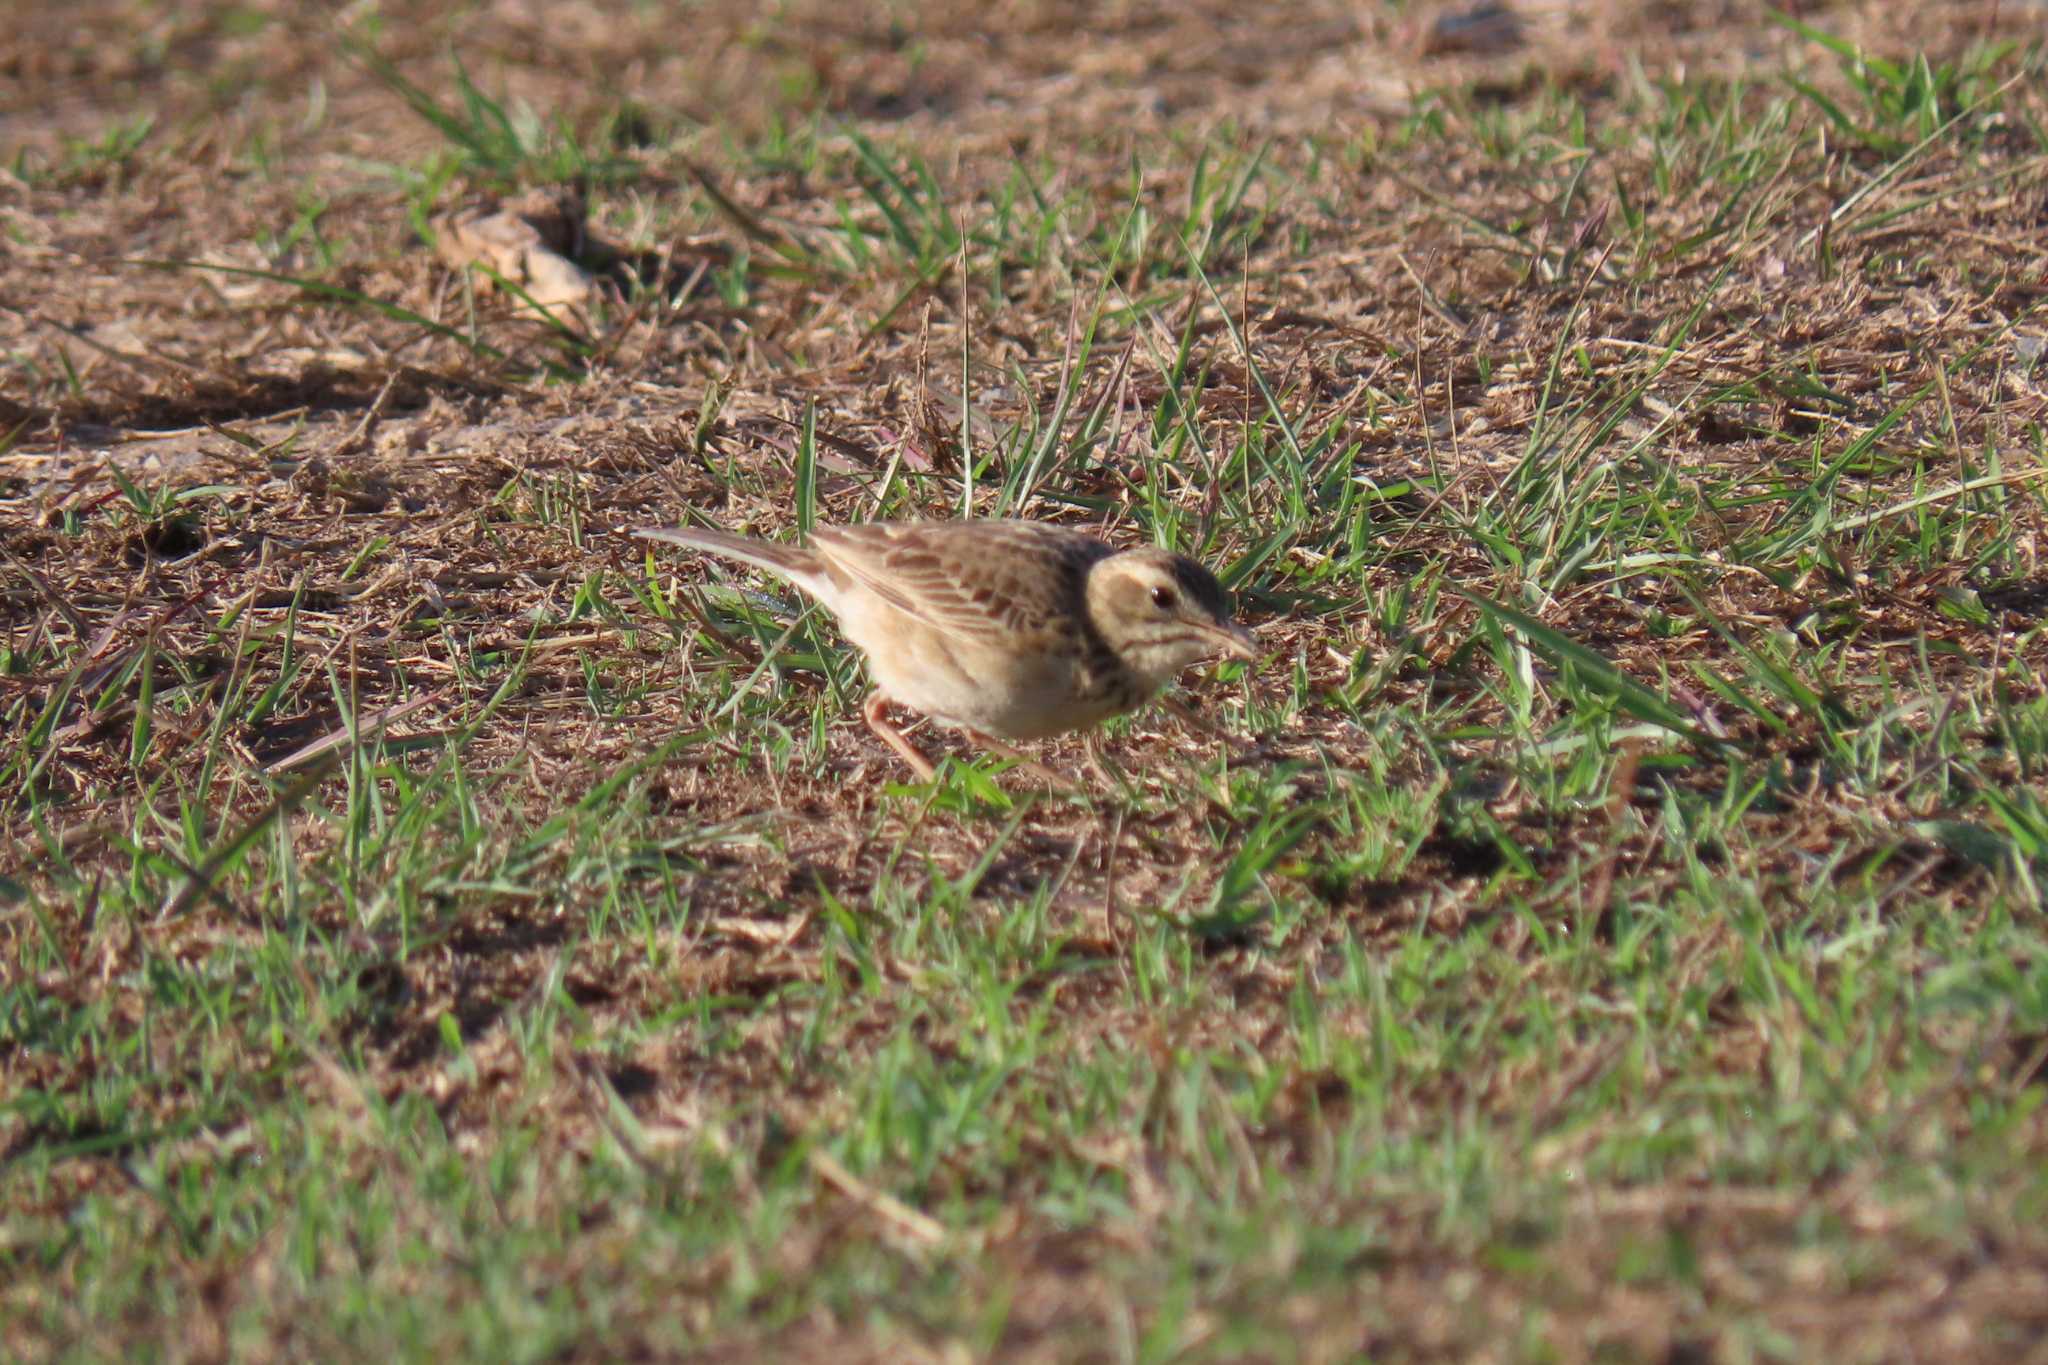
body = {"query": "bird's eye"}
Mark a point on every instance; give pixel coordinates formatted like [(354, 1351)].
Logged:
[(1162, 598)]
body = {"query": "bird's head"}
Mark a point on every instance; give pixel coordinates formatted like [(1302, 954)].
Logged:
[(1162, 612)]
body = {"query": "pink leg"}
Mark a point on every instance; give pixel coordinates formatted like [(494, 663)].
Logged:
[(875, 711)]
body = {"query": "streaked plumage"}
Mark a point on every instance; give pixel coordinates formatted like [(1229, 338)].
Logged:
[(1011, 629)]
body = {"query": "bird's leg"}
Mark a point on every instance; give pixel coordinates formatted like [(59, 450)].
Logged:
[(875, 711)]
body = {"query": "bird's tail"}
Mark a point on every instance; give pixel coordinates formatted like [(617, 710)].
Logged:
[(798, 565)]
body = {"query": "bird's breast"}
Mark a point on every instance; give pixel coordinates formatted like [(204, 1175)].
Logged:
[(1018, 685)]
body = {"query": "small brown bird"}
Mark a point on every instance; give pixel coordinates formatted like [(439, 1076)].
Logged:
[(1009, 630)]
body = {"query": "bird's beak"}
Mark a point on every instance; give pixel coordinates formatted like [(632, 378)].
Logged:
[(1236, 641)]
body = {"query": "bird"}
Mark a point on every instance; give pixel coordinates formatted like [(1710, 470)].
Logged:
[(1005, 629)]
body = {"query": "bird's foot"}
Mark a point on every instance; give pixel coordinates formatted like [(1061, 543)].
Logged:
[(875, 711)]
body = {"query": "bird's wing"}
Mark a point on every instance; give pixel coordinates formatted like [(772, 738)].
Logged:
[(967, 578)]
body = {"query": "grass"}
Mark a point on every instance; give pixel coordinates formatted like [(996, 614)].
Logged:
[(1608, 924)]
